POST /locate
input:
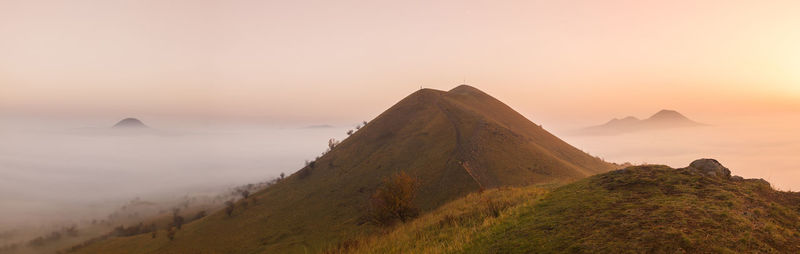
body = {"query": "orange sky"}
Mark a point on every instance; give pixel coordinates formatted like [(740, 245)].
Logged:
[(349, 60)]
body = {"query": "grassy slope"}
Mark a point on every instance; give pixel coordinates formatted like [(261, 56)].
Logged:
[(647, 209), (454, 142), (449, 228)]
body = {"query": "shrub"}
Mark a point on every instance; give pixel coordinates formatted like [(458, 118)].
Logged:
[(177, 221), (394, 200), (229, 205), (199, 215), (306, 171), (130, 231), (171, 233), (332, 143), (71, 231)]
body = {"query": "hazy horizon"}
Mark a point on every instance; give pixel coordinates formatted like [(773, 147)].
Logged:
[(320, 61)]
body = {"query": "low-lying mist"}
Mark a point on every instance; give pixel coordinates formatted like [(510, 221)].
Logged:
[(56, 172), (765, 147)]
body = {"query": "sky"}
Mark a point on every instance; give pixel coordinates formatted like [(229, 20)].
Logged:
[(560, 62)]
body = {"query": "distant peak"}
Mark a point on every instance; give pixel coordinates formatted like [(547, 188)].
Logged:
[(319, 126), (667, 111), (130, 123), (667, 114)]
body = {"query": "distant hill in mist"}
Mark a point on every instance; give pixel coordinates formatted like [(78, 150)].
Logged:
[(319, 126), (664, 119), (130, 123)]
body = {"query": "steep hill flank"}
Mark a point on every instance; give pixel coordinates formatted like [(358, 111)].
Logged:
[(454, 142)]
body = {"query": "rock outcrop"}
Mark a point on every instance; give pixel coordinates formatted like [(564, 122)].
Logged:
[(710, 167)]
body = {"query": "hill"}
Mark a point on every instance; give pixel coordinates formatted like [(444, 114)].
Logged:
[(640, 209), (664, 119), (455, 142), (129, 123)]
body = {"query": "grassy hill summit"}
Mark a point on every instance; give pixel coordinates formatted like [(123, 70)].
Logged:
[(641, 209), (663, 119), (453, 143)]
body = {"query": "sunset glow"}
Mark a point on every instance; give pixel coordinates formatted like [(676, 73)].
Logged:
[(248, 58)]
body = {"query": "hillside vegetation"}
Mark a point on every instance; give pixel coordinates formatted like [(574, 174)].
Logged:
[(453, 142), (642, 209)]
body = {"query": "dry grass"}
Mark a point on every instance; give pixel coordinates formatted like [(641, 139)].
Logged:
[(447, 229)]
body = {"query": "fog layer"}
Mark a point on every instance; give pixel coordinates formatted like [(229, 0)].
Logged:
[(53, 171), (765, 147)]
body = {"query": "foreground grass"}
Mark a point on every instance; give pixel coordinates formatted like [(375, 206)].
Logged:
[(652, 209), (449, 228), (644, 209)]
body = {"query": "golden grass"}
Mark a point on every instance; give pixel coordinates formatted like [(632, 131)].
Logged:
[(449, 228)]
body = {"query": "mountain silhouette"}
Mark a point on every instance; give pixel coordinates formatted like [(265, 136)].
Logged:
[(664, 119), (454, 142), (129, 123)]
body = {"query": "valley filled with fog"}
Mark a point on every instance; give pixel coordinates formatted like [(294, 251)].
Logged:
[(57, 172)]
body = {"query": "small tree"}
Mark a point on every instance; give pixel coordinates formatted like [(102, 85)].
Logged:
[(311, 164), (171, 233), (245, 193), (350, 132), (282, 175), (332, 143), (153, 230), (229, 205), (71, 231), (394, 199), (177, 221), (199, 215)]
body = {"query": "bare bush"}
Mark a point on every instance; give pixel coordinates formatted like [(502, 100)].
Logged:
[(394, 200), (332, 143)]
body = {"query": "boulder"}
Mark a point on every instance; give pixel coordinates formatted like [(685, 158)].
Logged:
[(710, 167)]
